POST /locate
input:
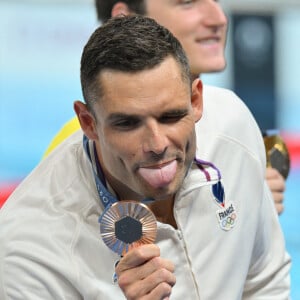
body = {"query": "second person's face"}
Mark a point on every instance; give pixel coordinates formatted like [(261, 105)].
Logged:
[(200, 26)]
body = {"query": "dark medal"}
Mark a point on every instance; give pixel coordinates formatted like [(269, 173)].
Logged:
[(277, 154)]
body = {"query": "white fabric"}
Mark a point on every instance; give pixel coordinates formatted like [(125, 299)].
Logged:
[(50, 246)]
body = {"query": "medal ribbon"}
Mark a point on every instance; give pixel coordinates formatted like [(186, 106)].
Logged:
[(106, 197)]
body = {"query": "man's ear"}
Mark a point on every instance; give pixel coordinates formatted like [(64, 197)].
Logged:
[(86, 119), (120, 9), (197, 99)]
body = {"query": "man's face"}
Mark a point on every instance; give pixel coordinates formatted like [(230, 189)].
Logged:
[(145, 130), (199, 25)]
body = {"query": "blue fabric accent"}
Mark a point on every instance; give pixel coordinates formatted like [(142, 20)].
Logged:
[(218, 192)]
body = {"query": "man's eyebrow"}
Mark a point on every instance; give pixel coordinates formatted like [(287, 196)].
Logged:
[(175, 112), (172, 112), (119, 116)]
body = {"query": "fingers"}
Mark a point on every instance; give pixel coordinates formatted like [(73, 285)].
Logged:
[(156, 286), (143, 274), (156, 264), (138, 256), (279, 208), (275, 180), (276, 184)]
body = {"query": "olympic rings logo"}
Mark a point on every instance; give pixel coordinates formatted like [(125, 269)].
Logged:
[(227, 216), (229, 221)]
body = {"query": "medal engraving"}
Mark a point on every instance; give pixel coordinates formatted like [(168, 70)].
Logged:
[(126, 225)]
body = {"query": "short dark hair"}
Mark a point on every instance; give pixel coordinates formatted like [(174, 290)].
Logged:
[(104, 7), (128, 44)]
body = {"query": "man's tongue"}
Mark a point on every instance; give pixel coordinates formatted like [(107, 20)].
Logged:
[(159, 177)]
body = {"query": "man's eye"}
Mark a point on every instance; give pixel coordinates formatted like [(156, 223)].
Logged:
[(186, 2), (125, 124), (171, 118)]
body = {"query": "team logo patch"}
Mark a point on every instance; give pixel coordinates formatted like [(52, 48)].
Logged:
[(227, 216)]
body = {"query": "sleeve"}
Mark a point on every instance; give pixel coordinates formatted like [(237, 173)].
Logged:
[(25, 279), (269, 273), (33, 265)]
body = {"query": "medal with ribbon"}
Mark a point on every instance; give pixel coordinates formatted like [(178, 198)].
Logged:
[(124, 224), (128, 224)]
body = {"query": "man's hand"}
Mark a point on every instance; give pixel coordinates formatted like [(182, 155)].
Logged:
[(276, 184), (143, 274)]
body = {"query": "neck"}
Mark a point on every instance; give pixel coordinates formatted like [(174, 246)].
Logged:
[(163, 211)]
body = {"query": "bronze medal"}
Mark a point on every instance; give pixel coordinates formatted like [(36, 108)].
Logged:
[(126, 225)]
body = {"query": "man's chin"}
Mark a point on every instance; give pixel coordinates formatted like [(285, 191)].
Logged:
[(163, 192)]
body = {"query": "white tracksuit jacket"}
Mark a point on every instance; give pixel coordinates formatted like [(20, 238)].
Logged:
[(50, 245)]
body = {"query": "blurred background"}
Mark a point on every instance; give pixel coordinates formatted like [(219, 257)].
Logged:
[(40, 47)]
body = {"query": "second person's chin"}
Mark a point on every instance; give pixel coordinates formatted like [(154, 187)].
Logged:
[(209, 67)]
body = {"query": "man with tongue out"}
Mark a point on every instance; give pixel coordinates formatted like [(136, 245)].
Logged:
[(142, 117), (138, 117), (201, 27)]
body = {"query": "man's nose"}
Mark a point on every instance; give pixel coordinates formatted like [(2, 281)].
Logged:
[(214, 14), (155, 139)]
